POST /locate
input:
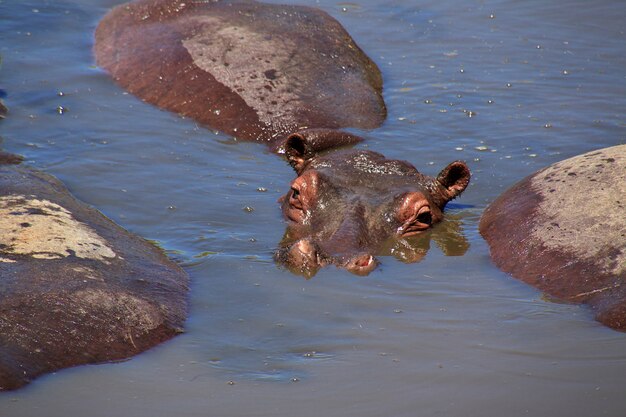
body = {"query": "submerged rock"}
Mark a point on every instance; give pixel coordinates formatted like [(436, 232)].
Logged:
[(563, 230), (75, 288), (255, 71)]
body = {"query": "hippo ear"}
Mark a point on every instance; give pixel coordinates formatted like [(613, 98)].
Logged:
[(297, 151), (454, 178), (303, 145)]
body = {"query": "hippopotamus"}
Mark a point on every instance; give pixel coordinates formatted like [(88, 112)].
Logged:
[(252, 70), (563, 230), (75, 288), (293, 78), (345, 204)]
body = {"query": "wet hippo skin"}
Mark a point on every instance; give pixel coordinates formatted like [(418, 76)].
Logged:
[(253, 70), (290, 76), (563, 230), (74, 287), (345, 205)]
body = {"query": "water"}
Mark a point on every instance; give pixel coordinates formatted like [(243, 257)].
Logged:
[(448, 336)]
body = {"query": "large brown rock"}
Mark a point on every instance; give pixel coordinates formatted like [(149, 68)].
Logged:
[(74, 287), (563, 230), (255, 71)]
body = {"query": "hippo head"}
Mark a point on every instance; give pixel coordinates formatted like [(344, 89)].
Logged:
[(345, 206)]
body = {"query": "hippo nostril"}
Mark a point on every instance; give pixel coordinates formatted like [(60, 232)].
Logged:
[(361, 264), (302, 258), (364, 261), (303, 252)]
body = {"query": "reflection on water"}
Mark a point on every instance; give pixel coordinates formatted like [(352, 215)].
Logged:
[(447, 235), (449, 335)]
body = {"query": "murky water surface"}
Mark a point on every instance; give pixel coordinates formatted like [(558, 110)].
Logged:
[(510, 86)]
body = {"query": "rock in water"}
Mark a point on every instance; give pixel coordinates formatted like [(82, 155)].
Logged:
[(74, 287), (563, 230), (255, 71)]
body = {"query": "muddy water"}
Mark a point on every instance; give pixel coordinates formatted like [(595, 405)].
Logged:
[(509, 86)]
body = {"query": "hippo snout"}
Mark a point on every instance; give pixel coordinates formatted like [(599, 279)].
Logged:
[(306, 257), (361, 264)]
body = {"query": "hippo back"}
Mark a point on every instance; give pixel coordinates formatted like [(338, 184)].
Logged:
[(563, 230), (255, 71)]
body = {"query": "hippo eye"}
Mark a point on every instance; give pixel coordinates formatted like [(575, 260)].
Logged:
[(425, 217), (301, 197), (415, 219), (294, 199)]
